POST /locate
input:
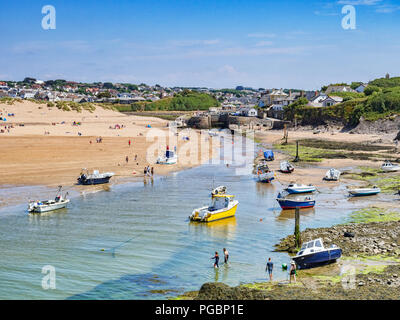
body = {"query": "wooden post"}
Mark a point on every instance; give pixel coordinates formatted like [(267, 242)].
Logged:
[(297, 235), (297, 152)]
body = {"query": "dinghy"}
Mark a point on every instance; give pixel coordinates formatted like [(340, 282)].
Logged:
[(332, 175), (364, 191), (313, 254), (295, 188), (222, 206), (286, 167), (293, 203), (59, 202), (264, 174), (170, 157), (387, 166), (94, 178)]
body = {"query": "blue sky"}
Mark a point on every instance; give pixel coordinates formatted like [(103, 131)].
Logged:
[(212, 43)]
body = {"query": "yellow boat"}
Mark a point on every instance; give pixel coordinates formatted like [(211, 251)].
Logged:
[(222, 206)]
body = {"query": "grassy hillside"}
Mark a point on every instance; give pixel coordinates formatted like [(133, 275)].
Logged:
[(381, 100), (185, 101)]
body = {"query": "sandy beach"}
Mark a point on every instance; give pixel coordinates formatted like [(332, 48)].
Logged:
[(42, 146)]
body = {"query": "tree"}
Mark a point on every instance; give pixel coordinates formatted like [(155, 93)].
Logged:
[(108, 85), (370, 90)]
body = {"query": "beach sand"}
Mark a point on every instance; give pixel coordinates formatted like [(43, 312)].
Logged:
[(31, 157)]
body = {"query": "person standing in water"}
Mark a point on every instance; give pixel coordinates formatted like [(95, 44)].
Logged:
[(269, 268), (226, 255), (216, 257), (292, 272)]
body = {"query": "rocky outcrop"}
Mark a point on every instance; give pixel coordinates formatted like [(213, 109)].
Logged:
[(387, 125), (221, 291)]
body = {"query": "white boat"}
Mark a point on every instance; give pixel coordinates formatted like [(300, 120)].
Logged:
[(49, 205), (264, 174), (286, 167), (295, 188), (387, 166), (332, 175), (170, 157), (95, 177), (364, 191)]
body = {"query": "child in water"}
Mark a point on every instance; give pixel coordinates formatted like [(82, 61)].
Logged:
[(216, 257), (226, 255)]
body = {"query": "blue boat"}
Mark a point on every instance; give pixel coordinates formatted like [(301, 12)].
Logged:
[(313, 254), (293, 203), (269, 155), (295, 188), (95, 178)]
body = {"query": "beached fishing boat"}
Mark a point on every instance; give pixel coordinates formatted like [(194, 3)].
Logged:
[(286, 167), (59, 202), (364, 191), (313, 254), (87, 178), (264, 174), (295, 188), (332, 175), (293, 203), (170, 157), (387, 166), (222, 206)]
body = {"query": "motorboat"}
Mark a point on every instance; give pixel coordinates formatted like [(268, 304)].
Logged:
[(264, 174), (313, 254), (293, 203), (364, 191), (59, 202), (170, 157), (286, 167), (295, 188), (222, 206), (332, 175), (96, 177), (387, 166)]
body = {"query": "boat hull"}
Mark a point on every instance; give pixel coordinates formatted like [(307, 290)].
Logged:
[(47, 208), (290, 204), (363, 194), (94, 181), (318, 258), (266, 177), (222, 214), (297, 191)]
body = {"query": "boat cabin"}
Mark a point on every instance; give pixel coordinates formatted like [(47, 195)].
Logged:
[(311, 247), (220, 201)]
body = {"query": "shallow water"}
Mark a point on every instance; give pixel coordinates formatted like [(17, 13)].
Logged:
[(130, 239)]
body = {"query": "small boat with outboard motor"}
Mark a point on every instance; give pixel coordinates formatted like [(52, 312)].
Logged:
[(313, 254), (294, 188), (332, 175), (359, 192), (222, 206), (170, 157), (59, 202), (264, 174), (96, 177), (387, 166), (286, 167), (300, 202)]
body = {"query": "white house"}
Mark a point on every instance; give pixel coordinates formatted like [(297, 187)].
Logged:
[(323, 100)]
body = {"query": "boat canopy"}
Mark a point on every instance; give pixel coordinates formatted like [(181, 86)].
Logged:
[(269, 154)]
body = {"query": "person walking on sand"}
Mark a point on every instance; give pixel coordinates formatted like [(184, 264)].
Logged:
[(269, 268), (127, 159), (152, 171), (129, 142), (216, 258), (292, 272), (135, 157), (145, 171), (226, 255)]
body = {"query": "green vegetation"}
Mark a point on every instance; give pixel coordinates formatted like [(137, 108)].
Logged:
[(185, 101), (9, 100), (78, 107), (373, 214)]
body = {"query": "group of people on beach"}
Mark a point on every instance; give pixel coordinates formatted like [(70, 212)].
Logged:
[(148, 171), (269, 267)]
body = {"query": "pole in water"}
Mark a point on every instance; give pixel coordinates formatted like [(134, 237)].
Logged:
[(297, 235)]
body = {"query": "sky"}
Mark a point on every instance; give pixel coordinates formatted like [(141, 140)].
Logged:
[(201, 43)]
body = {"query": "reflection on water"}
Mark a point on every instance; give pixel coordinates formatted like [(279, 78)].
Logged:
[(290, 214), (223, 229)]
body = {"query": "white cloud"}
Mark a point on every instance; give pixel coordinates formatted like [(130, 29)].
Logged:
[(190, 43), (387, 8), (360, 2), (264, 43), (261, 35)]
